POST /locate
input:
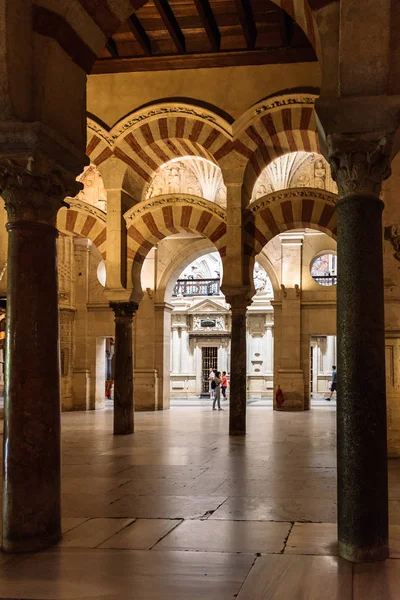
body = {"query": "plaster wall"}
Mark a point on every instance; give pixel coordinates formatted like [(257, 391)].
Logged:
[(230, 89)]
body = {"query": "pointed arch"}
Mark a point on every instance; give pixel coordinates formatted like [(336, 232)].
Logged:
[(153, 220)]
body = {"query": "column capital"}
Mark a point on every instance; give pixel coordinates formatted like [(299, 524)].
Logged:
[(124, 311), (34, 195), (360, 162)]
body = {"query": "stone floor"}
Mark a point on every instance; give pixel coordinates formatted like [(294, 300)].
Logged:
[(179, 511)]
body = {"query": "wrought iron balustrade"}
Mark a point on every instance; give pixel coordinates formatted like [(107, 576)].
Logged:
[(197, 287), (325, 279)]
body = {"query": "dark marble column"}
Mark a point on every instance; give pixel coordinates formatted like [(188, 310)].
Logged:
[(123, 369), (31, 496), (359, 165), (238, 368)]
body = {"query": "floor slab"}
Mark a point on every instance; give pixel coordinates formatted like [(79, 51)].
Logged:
[(125, 575), (227, 536), (142, 534), (280, 577)]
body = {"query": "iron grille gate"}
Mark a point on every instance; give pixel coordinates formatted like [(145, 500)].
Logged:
[(209, 360)]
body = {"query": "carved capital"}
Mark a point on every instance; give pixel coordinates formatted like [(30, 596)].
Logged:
[(392, 235), (359, 162), (124, 311), (33, 196)]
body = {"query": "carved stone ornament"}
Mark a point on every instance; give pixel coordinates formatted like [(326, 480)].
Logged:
[(124, 311), (33, 197), (392, 235), (359, 163), (167, 200)]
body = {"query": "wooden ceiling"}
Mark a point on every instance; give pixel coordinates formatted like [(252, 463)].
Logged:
[(179, 34)]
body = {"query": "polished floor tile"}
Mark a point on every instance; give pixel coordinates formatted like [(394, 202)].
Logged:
[(227, 536), (312, 538), (380, 581), (164, 507), (180, 510), (280, 577), (125, 575), (142, 534), (289, 508), (92, 533)]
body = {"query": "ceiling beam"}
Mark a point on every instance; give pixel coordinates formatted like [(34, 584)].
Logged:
[(247, 22), (112, 47), (140, 34), (286, 27), (208, 60), (171, 24), (209, 23)]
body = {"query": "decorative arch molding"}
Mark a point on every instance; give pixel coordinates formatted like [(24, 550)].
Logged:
[(157, 218), (279, 125), (288, 209), (84, 220), (148, 138)]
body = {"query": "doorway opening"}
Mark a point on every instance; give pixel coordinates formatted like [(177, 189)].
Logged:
[(322, 359), (104, 371), (209, 360)]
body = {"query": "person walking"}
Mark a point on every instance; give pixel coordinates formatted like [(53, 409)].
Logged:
[(224, 384), (217, 390), (333, 384)]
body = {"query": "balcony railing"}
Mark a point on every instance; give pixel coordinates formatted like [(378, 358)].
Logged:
[(197, 287), (325, 279)]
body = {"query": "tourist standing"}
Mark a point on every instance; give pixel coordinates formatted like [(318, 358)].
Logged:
[(217, 390), (333, 384), (224, 384)]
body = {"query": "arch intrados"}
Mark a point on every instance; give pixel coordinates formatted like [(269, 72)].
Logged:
[(265, 262), (194, 251)]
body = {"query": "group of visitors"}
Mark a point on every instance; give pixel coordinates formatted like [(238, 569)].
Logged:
[(218, 384)]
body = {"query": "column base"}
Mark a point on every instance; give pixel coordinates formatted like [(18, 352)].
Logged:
[(356, 554), (31, 544), (291, 382), (243, 432)]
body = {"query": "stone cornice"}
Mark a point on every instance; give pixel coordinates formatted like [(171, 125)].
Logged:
[(291, 194), (169, 200), (87, 208)]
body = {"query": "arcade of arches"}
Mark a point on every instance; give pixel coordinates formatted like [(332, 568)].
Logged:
[(237, 215)]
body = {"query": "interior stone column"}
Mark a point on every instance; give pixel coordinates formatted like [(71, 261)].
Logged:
[(359, 163), (162, 340), (175, 349), (31, 492), (238, 366), (123, 370)]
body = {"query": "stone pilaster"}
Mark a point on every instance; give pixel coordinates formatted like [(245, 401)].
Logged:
[(359, 164), (81, 374), (290, 376), (123, 370), (31, 498)]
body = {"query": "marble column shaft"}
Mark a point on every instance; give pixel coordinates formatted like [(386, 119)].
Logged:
[(123, 369), (238, 370), (359, 167), (31, 488)]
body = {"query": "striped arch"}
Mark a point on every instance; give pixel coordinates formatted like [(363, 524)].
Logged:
[(84, 220), (279, 125), (153, 220), (288, 209), (148, 138)]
